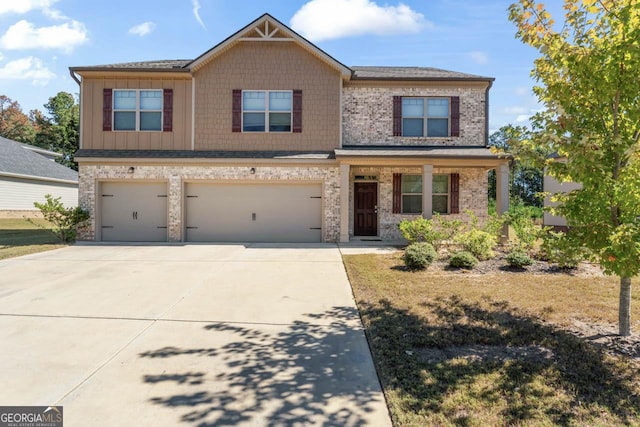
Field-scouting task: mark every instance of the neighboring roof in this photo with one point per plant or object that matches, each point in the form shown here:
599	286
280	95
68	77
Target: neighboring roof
16	160
417	152
188	154
411	73
42	151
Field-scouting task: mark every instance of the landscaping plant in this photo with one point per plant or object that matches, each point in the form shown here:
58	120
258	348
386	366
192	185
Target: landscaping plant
65	220
463	259
518	259
479	243
418	256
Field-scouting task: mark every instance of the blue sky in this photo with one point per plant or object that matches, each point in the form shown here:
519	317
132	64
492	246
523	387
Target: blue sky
40	39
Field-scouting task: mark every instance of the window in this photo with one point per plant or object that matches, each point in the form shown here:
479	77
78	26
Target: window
440	194
411	194
443	197
135	110
425	117
266	111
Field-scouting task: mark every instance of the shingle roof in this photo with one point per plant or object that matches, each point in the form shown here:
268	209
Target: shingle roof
411	73
158	65
188	154
358	72
15	159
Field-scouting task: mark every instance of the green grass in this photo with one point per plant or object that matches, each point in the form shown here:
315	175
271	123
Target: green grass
20	237
494	349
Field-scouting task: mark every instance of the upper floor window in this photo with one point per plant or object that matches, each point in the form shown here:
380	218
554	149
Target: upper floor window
425	117
433	117
137	110
266	111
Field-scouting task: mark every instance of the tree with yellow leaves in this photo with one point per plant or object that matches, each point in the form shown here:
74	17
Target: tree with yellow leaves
588	76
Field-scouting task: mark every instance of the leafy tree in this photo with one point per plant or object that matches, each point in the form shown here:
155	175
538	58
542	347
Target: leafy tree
14	124
588	74
525	175
60	131
65	220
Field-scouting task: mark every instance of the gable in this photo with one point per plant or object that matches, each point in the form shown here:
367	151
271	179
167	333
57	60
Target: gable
270	30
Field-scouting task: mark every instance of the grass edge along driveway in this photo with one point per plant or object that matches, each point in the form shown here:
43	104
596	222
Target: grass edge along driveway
20	237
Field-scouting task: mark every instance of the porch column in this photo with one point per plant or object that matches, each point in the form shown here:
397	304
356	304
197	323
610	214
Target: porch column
427	188
344	203
502	196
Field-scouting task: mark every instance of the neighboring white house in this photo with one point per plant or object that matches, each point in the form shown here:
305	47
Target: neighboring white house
27	173
553	186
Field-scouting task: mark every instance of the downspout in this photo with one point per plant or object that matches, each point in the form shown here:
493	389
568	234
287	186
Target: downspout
486	114
75	78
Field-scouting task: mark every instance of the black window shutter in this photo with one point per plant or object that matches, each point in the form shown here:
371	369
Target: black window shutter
455	193
297	111
397	116
236	110
397	193
455	116
107	109
167	110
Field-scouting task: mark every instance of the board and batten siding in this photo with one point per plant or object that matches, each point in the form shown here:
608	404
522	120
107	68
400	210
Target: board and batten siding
94	138
19	194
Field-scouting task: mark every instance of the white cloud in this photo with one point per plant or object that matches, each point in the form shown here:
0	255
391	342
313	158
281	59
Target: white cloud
516	110
142	29
29	68
329	19
523	118
196	12
522	91
24	35
479	57
24	6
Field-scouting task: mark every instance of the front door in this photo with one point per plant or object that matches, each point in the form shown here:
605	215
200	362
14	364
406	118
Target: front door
366	209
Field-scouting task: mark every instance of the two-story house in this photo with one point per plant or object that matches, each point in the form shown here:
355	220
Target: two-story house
266	138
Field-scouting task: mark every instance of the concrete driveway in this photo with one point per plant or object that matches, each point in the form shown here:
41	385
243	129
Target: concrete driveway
187	335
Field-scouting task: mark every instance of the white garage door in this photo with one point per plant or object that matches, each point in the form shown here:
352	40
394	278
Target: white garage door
134	212
253	213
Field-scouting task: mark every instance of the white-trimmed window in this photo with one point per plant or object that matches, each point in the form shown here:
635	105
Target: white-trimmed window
425	117
266	111
137	110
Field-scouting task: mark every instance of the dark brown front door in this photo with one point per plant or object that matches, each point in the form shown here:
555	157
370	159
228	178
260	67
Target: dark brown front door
366	209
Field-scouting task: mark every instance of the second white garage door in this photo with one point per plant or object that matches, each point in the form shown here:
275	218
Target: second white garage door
253	213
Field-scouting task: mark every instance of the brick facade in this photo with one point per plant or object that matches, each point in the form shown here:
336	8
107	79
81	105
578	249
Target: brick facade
367	115
175	176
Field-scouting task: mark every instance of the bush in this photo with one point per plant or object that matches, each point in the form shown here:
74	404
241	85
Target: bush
463	259
420	230
526	230
478	242
65	220
418	256
556	249
518	259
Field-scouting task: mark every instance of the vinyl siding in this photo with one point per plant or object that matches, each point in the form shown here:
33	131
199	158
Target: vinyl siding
20	194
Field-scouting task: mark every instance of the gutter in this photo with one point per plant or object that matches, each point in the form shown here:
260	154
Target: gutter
73	75
38	178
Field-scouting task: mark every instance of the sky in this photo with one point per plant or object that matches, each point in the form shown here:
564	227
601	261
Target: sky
41	39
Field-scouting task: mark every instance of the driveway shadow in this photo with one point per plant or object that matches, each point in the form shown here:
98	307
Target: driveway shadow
316	371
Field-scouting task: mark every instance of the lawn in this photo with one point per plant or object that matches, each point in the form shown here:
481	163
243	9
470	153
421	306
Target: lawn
20	237
496	348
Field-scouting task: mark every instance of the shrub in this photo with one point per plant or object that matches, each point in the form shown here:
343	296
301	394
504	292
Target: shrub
65	220
463	259
447	228
526	230
478	242
518	259
556	249
420	230
418	256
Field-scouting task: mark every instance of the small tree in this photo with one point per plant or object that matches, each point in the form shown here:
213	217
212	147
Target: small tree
588	73
65	220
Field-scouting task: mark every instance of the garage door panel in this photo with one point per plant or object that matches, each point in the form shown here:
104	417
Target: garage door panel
254	213
134	212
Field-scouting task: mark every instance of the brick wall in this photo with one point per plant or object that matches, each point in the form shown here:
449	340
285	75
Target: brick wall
367	114
90	175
